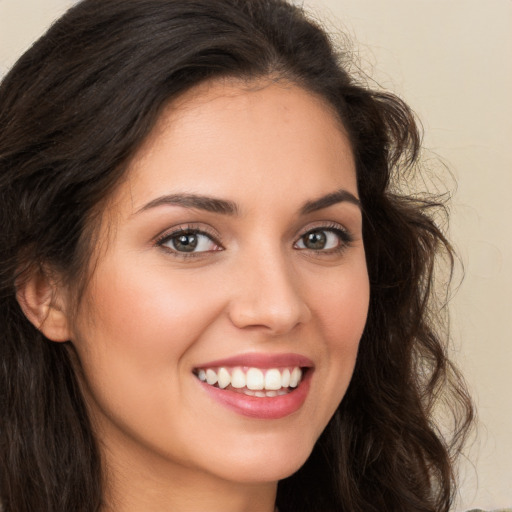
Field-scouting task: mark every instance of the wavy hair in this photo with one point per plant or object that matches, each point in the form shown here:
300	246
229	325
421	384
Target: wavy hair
75	109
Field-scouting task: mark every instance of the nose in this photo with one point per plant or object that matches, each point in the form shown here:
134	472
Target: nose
266	294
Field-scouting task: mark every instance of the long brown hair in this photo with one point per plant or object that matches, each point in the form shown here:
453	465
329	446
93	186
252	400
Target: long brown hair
73	112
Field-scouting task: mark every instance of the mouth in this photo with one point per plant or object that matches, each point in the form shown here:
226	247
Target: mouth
257	385
252	381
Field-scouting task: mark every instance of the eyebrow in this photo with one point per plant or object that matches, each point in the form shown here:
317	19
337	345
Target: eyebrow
199	202
225	207
340	196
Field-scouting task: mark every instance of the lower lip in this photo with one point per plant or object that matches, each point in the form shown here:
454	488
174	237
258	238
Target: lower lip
266	408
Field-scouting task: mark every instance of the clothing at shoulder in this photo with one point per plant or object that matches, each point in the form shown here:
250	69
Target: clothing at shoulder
496	510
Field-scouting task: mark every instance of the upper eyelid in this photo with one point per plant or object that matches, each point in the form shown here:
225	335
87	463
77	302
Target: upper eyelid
188	228
216	237
346	238
161	242
323	225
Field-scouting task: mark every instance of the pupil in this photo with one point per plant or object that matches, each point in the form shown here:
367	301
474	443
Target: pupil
186	243
315	240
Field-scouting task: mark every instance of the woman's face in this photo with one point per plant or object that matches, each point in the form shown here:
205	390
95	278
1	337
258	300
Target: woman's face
232	252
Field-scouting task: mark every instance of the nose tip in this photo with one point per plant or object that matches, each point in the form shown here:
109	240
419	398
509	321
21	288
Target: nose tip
268	298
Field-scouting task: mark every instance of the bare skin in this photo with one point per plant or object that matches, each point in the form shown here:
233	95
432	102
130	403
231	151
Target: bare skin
277	267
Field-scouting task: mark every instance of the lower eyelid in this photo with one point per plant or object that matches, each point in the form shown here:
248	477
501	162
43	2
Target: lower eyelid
165	240
343	235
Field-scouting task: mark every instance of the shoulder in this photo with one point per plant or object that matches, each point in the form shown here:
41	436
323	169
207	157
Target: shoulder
495	510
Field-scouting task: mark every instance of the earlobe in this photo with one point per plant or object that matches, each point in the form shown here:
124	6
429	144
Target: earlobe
43	304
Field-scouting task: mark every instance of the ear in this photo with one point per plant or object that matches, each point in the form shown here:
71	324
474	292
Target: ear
44	304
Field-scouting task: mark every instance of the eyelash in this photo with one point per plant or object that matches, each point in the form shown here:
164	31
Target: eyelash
190	231
345	239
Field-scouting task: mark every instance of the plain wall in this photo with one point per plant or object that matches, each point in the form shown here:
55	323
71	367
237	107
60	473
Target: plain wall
452	61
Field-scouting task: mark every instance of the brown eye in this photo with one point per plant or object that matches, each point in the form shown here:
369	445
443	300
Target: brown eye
189	242
325	239
315	240
185	243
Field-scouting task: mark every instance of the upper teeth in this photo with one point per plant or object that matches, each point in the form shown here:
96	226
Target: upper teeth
254	379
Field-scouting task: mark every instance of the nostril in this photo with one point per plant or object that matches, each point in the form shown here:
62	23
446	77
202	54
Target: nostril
276	318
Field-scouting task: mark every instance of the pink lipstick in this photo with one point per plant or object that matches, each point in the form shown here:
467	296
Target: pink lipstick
258	385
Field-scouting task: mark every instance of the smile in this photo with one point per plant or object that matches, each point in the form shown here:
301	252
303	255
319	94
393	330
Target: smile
253	381
260	386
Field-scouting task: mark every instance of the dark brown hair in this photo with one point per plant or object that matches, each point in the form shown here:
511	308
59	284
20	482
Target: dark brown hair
73	112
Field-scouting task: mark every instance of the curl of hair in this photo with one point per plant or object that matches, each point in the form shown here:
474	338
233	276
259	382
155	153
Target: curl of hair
73	112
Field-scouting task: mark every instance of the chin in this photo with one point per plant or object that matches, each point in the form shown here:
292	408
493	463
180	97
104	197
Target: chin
260	463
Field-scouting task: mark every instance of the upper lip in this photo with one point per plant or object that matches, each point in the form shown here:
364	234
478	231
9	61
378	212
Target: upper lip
257	360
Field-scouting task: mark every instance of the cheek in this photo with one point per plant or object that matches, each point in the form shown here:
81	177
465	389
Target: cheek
342	308
133	339
148	315
341	311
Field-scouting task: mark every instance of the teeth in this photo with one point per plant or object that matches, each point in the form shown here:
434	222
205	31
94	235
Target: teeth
253	382
285	378
273	380
224	378
238	380
255	379
211	377
295	377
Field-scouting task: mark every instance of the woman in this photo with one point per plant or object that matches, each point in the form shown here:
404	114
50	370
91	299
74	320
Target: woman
212	296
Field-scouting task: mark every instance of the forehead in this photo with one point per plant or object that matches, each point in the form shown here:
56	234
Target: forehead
225	138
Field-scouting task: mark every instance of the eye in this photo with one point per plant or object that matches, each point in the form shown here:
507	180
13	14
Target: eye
324	239
188	241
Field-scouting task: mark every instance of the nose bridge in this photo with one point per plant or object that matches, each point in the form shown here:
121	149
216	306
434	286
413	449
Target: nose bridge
266	293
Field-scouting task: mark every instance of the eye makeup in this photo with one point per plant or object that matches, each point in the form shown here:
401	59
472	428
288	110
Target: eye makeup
194	240
325	239
189	241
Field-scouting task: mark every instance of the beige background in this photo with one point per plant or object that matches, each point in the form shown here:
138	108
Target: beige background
452	61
